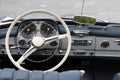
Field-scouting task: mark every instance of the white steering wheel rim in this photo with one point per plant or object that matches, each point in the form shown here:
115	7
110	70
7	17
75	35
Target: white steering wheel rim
38	11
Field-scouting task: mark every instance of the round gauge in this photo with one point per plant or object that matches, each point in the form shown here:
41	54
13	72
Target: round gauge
29	31
47	30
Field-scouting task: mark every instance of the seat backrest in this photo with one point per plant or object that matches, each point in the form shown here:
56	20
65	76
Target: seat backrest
12	74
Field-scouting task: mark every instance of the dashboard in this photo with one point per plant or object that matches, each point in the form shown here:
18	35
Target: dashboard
87	40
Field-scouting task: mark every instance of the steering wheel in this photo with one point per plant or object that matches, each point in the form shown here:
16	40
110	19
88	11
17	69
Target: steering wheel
38	41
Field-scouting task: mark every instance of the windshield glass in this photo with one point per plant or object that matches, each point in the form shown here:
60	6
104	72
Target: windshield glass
107	10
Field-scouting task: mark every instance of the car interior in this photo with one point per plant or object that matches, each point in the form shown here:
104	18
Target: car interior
51	47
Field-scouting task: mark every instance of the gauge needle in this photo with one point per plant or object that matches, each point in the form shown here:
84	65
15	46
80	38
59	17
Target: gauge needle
47	31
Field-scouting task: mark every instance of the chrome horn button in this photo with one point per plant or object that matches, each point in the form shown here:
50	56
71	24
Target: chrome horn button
38	41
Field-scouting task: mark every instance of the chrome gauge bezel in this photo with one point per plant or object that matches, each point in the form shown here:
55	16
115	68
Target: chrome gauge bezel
28	31
47	30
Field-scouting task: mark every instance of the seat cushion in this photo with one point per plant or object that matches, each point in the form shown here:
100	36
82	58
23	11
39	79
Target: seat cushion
36	75
70	75
117	76
51	76
7	74
12	74
21	75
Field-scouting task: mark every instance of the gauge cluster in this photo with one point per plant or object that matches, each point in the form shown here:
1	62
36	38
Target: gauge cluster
31	28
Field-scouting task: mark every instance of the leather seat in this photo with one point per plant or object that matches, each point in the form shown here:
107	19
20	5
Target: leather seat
12	74
117	76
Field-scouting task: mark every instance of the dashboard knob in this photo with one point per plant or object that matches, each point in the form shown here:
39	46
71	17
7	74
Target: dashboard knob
105	44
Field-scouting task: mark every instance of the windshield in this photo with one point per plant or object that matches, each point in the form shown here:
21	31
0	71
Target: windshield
107	10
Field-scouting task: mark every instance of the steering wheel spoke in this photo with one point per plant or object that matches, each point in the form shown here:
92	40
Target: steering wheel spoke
54	38
62	36
26	54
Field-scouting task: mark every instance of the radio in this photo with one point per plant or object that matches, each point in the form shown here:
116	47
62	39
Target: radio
81	42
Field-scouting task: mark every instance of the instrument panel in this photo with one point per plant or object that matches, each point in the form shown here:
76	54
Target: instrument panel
31	28
86	41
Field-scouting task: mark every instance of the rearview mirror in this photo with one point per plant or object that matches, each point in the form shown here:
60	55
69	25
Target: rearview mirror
84	20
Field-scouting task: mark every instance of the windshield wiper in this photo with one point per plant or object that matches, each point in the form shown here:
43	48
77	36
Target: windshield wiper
67	18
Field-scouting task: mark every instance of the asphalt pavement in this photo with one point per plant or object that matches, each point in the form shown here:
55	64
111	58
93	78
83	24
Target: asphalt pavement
108	10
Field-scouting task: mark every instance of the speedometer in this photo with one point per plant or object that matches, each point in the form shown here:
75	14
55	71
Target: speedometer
47	30
29	31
